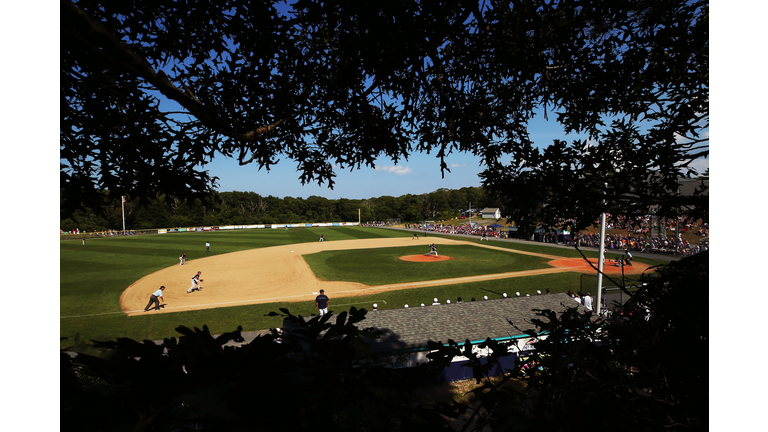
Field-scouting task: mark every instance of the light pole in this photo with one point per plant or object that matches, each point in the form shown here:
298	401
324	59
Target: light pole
122	205
600	262
601	257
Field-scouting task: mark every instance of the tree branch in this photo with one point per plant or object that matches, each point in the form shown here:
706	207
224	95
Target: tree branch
120	55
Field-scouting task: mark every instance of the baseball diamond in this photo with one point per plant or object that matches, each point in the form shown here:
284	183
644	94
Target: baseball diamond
280	273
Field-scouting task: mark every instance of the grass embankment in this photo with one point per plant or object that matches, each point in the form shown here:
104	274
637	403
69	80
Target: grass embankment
92	278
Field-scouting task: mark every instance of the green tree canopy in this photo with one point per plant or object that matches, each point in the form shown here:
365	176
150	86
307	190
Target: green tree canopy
152	91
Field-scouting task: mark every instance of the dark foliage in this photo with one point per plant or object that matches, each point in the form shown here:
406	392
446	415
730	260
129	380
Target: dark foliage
152	91
319	378
644	369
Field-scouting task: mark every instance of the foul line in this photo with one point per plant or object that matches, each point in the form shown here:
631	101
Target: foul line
249	302
370	301
464	279
92	315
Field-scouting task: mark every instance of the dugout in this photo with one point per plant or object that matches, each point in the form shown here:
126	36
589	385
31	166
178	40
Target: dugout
512	232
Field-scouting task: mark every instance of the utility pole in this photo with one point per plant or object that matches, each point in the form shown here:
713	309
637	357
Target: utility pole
601	259
600	262
122	205
677	219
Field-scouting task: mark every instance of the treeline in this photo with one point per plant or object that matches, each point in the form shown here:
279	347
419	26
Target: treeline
242	208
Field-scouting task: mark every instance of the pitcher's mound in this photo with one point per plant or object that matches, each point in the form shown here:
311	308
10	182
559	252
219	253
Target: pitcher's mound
425	258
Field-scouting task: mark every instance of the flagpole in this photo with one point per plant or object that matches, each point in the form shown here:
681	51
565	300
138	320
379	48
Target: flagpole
122	205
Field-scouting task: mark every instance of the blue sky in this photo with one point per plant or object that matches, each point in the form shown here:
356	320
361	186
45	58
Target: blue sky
418	175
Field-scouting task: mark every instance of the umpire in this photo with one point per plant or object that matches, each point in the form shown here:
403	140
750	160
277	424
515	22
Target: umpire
155	298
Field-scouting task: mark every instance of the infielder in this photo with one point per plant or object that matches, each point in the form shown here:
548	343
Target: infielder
195	283
183	258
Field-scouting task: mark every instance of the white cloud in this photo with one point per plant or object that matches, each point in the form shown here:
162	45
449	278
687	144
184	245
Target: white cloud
700	165
455	165
397	169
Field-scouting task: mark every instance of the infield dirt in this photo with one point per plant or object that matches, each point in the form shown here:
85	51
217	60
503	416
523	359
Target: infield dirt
278	274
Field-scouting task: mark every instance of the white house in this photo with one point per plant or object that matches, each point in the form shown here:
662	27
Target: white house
491	213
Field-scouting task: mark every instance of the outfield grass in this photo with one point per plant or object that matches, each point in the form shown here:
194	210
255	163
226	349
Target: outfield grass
92	278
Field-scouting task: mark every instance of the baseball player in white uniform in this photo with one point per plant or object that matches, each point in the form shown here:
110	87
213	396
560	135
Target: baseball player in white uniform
195	283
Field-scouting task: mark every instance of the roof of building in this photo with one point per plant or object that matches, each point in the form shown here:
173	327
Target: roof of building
411	328
490	210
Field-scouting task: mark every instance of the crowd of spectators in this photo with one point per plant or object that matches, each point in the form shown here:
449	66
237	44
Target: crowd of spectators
477	230
637	238
660	245
378	224
642	224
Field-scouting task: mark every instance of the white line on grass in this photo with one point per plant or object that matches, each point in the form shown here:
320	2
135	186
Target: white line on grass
248	302
371	301
91	315
262	300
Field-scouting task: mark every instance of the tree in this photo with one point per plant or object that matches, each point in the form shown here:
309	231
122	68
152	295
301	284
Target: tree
634	78
318	378
318	209
645	369
337	83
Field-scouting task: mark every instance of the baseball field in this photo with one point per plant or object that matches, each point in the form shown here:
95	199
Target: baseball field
106	283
